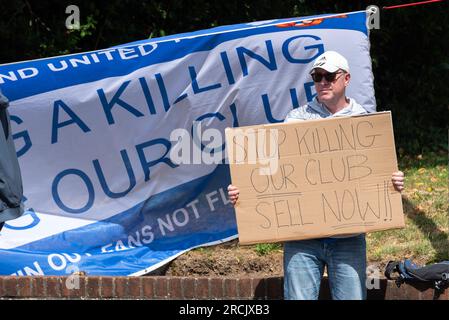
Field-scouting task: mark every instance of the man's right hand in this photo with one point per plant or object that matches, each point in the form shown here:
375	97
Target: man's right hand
233	194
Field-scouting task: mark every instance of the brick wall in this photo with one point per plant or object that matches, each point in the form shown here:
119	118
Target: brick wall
162	287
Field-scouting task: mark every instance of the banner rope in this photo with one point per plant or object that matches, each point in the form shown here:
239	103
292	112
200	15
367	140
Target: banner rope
410	4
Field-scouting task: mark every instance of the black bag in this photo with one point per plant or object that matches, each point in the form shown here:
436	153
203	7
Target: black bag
435	275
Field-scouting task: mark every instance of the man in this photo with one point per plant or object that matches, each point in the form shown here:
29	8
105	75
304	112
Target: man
11	190
344	256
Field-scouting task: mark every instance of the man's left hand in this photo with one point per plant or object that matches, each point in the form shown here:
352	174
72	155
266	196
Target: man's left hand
398	180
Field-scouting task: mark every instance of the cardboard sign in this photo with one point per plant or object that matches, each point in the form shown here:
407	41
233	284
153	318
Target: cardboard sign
314	178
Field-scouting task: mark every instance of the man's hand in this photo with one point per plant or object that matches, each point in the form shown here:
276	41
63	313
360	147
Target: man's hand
398	180
233	194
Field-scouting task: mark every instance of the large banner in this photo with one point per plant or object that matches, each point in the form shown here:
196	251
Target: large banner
122	165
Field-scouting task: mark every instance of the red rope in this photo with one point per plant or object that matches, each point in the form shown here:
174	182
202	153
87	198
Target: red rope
410	4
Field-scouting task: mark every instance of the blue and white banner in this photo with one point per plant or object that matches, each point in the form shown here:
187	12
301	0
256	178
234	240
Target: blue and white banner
94	136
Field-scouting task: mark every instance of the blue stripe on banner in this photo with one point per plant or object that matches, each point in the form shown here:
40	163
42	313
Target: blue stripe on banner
353	24
99	66
157	213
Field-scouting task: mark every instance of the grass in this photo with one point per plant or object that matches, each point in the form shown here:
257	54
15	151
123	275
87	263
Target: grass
425	239
263	249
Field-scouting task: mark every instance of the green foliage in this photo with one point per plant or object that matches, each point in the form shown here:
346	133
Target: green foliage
409	53
265	248
425	238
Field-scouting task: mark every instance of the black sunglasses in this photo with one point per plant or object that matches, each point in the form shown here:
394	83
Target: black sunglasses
330	77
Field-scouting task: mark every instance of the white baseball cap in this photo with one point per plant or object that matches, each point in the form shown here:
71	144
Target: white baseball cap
330	61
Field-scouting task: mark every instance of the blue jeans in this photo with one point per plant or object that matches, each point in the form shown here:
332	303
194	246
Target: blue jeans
304	263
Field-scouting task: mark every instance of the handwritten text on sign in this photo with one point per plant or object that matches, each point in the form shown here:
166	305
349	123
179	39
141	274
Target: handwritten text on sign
315	178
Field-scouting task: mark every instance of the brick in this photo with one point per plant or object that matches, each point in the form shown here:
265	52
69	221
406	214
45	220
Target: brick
161	287
107	287
73	286
391	291
259	288
216	288
25	287
244	288
409	293
274	288
399	292
427	294
39	287
230	288
135	287
175	288
93	287
10	286
148	287
121	287
54	289
201	288
188	288
1	287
